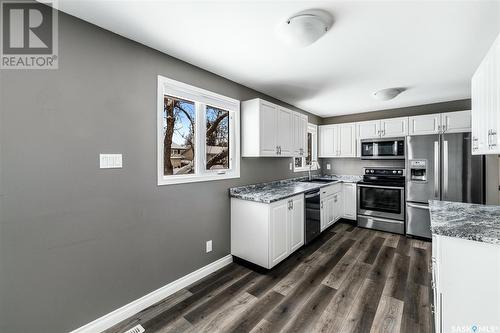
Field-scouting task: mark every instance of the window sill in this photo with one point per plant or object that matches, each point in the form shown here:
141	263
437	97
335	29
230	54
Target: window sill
173	180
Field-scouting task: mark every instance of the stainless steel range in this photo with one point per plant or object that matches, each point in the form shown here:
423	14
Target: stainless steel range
381	199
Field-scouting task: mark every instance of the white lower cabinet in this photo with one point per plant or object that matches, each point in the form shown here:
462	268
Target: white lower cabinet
331	205
265	234
349	200
466	287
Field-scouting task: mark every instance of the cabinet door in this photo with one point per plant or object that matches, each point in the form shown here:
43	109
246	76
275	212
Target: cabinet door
278	232
284	132
368	129
394	127
426	124
327	141
296	223
479	114
268	124
324	212
347	140
299	134
456	122
338	207
330	210
349	200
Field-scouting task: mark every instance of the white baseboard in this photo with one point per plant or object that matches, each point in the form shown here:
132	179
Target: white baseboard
134	307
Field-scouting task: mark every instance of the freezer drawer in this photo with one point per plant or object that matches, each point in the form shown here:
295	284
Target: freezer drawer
418	221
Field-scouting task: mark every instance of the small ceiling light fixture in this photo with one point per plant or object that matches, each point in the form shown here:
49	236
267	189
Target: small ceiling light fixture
388	94
304	28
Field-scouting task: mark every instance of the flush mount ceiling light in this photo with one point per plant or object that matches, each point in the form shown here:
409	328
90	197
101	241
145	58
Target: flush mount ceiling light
387	94
304	28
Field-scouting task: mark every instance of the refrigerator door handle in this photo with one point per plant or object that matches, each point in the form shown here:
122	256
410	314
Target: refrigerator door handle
436	169
445	169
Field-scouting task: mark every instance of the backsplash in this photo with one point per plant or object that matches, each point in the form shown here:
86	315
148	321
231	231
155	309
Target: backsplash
354	166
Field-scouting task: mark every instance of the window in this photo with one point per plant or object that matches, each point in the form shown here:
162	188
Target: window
303	163
198	134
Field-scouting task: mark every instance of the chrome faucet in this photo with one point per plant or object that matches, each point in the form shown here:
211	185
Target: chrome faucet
316	164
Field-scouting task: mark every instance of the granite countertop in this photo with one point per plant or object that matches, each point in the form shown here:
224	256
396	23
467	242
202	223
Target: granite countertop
464	220
278	190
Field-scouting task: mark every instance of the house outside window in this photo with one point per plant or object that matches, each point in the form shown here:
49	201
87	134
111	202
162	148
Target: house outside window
198	134
303	163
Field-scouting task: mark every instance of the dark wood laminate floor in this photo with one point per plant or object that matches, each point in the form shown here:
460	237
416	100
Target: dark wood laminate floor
349	280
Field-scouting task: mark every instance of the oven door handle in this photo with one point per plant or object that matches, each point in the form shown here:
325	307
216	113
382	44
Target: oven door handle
382	186
412	205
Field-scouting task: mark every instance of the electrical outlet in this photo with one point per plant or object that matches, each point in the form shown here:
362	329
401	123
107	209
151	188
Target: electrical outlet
291	166
209	246
328	166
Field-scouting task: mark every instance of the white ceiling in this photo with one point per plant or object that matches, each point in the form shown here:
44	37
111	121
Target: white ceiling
430	47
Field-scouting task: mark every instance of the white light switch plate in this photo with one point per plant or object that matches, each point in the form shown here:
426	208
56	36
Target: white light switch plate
328	166
209	246
291	166
110	161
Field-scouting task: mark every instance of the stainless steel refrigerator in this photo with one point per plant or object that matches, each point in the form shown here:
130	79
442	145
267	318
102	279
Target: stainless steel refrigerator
440	167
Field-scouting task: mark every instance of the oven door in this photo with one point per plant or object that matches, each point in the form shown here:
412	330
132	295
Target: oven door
381	201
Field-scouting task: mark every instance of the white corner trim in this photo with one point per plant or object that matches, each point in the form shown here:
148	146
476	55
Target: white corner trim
134	307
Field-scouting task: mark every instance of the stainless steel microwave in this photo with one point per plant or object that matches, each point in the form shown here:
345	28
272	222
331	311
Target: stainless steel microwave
383	149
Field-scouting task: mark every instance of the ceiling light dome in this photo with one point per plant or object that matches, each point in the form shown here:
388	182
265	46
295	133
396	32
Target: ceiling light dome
388	94
304	28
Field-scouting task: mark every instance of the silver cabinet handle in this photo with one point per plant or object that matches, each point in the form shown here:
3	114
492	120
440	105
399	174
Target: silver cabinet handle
436	169
321	204
441	312
445	168
277	150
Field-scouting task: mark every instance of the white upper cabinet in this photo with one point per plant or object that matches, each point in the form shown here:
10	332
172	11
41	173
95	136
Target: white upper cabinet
456	122
426	124
327	135
385	128
486	103
271	130
284	132
299	134
347	140
368	129
450	122
394	127
268	124
337	140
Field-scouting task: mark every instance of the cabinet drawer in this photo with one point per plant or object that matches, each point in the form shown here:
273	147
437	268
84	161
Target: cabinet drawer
327	190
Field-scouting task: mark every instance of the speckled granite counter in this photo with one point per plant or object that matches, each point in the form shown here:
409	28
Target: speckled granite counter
463	220
275	191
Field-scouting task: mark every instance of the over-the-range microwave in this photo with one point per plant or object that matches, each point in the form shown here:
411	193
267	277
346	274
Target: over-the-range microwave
383	149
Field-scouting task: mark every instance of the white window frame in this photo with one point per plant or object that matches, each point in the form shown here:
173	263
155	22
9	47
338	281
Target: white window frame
201	97
313	129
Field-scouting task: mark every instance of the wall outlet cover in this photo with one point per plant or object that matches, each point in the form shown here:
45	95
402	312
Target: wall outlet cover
209	246
328	166
291	166
110	161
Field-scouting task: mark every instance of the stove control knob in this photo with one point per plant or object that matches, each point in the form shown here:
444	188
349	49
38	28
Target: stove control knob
400	172
394	172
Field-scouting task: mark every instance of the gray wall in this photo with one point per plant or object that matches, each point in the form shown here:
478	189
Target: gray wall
77	242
